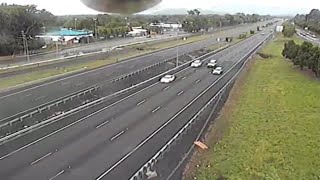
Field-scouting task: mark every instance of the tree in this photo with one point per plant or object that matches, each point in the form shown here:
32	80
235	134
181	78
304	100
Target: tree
314	62
197	12
310	20
289	30
304	55
191	12
290	50
15	19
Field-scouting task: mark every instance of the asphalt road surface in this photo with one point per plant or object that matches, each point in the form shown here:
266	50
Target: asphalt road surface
115	142
95	47
309	38
23	99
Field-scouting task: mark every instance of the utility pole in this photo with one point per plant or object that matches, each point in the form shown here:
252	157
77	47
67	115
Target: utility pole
75	23
25	46
57	48
95	28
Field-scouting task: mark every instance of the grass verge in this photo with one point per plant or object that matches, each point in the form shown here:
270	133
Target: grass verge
130	53
269	127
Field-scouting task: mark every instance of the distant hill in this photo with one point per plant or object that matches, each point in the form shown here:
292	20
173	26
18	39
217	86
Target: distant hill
178	11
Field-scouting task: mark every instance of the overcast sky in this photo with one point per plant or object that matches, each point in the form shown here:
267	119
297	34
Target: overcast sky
64	7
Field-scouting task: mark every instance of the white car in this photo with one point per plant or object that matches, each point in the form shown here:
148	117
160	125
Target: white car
217	71
196	63
212	64
167	79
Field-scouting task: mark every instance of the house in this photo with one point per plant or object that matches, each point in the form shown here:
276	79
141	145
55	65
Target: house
167	26
66	36
137	31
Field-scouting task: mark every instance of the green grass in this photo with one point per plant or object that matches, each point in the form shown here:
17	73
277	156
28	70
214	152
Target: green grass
274	129
147	48
37	75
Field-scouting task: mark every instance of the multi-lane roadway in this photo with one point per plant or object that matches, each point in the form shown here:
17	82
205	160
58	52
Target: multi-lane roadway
307	35
22	99
90	48
115	142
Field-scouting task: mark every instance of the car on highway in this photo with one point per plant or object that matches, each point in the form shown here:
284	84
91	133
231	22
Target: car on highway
217	71
196	63
167	79
212	63
263	33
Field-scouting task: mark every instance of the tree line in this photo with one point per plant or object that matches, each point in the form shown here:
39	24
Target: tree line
25	22
17	21
310	21
305	55
195	22
288	29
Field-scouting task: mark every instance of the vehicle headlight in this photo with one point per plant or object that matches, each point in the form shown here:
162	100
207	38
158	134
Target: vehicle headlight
121	6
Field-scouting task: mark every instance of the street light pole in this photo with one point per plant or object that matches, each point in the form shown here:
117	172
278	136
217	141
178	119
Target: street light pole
75	23
95	28
177	62
25	46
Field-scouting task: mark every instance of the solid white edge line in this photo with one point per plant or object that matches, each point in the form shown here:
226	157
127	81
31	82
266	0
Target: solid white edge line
229	71
116	136
65	127
86	72
168	122
43	157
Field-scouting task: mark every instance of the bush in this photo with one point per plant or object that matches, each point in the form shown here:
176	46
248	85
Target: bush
252	32
288	30
305	55
242	35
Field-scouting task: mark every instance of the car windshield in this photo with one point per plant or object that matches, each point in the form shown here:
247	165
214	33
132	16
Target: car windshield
129	89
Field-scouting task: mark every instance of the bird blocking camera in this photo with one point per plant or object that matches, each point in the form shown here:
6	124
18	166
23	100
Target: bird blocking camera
120	6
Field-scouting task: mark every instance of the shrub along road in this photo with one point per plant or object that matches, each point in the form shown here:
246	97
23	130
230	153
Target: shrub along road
271	127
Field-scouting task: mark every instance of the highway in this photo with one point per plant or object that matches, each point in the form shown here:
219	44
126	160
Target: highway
22	99
115	142
89	48
308	37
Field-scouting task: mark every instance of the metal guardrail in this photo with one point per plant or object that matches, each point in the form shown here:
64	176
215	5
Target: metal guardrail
91	53
64	99
150	164
95	102
29	112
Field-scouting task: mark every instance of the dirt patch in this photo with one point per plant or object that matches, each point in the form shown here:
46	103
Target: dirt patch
220	127
264	56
